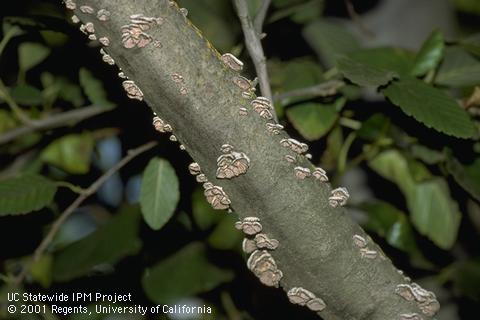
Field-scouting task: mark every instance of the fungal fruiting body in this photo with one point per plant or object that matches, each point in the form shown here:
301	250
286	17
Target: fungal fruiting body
263	107
70	4
249	246
133	91
89	27
359	241
92	37
243	111
107	58
320	174
262	264
184	11
177	78
160	125
103	15
134	35
201	178
232	62
338	197
308	156
302	173
262	241
194	168
290	158
86	9
75	19
410	316
425	300
216	196
303	297
231	164
242	83
173	138
274	128
294	145
367	253
249	225
104	41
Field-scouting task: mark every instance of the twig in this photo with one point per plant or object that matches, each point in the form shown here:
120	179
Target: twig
357	20
260	16
54	121
254	47
5	95
319	90
131	154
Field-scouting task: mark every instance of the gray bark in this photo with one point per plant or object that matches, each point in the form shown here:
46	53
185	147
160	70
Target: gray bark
316	249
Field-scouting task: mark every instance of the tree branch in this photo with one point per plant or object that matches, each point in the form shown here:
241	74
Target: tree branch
324	89
254	47
54	121
260	16
131	154
184	81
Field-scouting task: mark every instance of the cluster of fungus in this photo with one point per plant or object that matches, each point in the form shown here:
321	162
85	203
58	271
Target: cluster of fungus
231	163
425	300
303	297
361	243
134	34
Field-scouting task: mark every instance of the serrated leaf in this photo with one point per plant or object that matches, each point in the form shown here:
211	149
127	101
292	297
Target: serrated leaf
24	194
31	54
429	55
467	176
159	193
364	75
432	210
107	245
225	236
26	95
314	120
71	153
93	89
430	106
458	69
183	274
329	40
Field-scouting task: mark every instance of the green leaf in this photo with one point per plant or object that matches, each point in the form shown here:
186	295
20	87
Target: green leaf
26	193
31	54
41	270
314	120
186	273
7	121
159	193
71	153
225	236
300	12
458	69
467	176
430	106
107	245
374	127
466	278
391	224
397	60
26	95
364	75
427	155
429	55
329	40
203	213
472	44
94	89
432	211
214	18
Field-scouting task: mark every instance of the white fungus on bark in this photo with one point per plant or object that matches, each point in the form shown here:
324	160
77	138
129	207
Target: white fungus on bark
249	225
302	173
215	195
133	91
338	197
194	168
320	174
231	163
303	297
294	145
232	62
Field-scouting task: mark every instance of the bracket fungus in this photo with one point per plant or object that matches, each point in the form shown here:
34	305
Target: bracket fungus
104	41
294	145
242	82
338	197
201	178
243	111
320	174
274	128
173	138
290	158
367	253
86	9
232	62
262	264
302	173
426	300
103	15
249	246
263	107
70	4
359	241
303	297
160	125
231	163
410	316
215	195
194	168
133	91
249	225
75	19
262	241
133	34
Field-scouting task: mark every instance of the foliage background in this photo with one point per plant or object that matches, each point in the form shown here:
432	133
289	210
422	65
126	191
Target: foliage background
414	181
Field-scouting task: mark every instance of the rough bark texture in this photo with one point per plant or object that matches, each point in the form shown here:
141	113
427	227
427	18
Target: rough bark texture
316	249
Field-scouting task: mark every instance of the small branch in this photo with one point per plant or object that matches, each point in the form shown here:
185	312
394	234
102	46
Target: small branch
260	16
254	47
5	95
324	89
54	121
131	154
